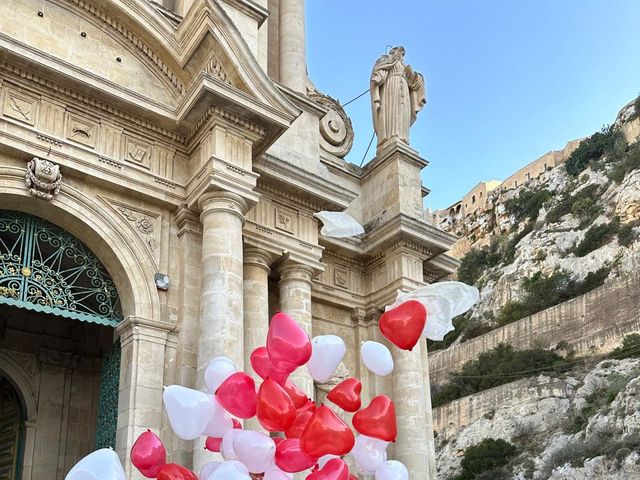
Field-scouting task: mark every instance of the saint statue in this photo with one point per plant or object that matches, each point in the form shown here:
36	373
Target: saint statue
397	95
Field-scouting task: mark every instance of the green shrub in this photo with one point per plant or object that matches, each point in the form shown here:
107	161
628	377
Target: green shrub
583	204
495	367
476	262
592	149
577	451
596	237
625	163
627	234
630	347
544	291
527	204
486	459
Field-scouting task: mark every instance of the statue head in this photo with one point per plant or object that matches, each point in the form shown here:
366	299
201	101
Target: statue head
397	52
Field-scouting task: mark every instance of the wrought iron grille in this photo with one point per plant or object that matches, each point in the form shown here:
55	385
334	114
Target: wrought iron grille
108	405
46	269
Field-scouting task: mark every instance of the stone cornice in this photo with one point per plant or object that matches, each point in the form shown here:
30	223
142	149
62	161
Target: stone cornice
188	221
86	100
322	193
389	151
252	9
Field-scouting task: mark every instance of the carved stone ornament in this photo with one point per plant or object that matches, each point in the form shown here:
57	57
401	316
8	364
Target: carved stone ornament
43	178
335	127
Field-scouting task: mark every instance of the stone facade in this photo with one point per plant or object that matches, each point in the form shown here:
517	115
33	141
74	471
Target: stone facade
190	145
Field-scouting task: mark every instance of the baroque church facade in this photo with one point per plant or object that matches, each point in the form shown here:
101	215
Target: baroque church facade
160	167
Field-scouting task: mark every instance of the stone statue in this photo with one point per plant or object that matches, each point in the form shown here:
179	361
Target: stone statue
43	178
397	95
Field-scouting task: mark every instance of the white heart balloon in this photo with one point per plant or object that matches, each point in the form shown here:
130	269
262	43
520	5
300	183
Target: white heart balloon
189	411
327	352
208	469
255	449
226	447
392	470
220	422
230	470
377	358
102	464
274	473
217	371
369	453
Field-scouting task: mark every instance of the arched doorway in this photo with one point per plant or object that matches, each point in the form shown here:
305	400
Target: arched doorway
11	432
58	310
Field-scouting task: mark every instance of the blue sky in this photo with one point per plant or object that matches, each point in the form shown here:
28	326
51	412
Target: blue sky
507	80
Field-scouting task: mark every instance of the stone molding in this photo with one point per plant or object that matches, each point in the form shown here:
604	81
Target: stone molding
291	268
138	328
257	257
188	220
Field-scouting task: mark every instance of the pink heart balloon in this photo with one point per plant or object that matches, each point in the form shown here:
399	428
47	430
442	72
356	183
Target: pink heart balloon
148	454
264	368
237	395
288	344
334	469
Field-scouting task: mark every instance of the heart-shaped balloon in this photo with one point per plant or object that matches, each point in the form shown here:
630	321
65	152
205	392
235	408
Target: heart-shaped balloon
189	411
290	458
378	420
262	365
173	471
334	469
212	444
392	470
297	396
148	454
275	410
237	395
217	371
255	450
220	422
404	324
327	352
326	433
288	344
300	423
346	394
98	465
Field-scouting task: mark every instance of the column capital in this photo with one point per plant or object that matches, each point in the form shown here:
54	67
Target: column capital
222	201
258	257
290	268
132	328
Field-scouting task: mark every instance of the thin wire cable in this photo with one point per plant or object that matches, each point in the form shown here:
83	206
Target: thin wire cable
356	98
368	147
567	365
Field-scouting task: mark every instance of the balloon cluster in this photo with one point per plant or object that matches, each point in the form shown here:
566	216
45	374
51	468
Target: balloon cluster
302	436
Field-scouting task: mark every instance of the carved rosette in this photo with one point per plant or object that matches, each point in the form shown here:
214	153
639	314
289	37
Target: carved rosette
335	127
43	178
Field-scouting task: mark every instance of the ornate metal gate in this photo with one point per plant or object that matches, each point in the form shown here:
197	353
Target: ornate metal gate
46	269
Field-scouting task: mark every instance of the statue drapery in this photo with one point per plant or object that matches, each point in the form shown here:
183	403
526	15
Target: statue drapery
397	95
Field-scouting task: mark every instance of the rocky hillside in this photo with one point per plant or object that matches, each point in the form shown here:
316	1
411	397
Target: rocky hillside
563	234
591	432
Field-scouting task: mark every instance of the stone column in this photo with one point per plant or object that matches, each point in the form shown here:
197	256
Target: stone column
408	394
256	309
143	344
431	445
295	300
220	324
292	58
220	320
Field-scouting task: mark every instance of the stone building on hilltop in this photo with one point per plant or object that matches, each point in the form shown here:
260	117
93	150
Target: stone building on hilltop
160	167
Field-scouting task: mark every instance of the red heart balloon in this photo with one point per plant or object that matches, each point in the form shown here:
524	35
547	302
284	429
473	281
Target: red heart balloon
326	433
309	405
236	424
352	477
334	469
290	458
172	471
237	395
297	396
378	420
275	411
403	325
148	454
213	444
288	344
299	424
264	368
347	394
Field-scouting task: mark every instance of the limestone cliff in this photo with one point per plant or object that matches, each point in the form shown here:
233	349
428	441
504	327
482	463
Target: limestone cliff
587	428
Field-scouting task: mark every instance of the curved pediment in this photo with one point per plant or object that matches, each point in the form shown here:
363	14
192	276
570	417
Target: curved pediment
79	39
